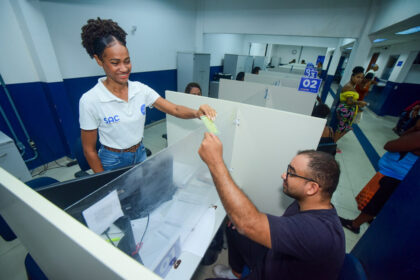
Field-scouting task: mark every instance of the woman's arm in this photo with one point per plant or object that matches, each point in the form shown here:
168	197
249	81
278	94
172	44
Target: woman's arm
406	143
88	138
183	112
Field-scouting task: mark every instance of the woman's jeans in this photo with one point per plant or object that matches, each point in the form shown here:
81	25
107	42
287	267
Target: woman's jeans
114	160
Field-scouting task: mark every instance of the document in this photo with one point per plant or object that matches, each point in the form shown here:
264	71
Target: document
103	213
201	234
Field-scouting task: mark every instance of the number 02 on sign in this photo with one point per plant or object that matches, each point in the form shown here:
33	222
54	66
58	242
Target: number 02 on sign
309	85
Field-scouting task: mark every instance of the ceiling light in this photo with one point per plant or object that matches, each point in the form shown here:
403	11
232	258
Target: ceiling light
409	31
379	40
348	48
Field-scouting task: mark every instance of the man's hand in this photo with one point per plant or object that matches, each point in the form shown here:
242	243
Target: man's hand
211	150
207	111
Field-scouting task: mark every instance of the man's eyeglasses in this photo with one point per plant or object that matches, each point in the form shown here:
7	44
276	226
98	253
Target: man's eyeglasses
288	173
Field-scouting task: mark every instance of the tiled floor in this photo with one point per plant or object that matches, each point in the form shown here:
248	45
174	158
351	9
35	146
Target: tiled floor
356	170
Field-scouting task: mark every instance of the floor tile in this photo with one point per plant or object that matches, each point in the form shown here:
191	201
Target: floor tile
12	264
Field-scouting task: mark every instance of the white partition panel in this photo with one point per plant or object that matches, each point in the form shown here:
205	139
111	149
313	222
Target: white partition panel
239	91
291	100
60	245
265	140
289	80
281	98
280	74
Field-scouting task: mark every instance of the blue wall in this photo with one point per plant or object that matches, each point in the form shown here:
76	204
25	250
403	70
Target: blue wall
50	111
390	248
393	98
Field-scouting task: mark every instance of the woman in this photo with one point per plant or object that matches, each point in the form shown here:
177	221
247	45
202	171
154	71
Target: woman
326	143
193	88
349	104
394	165
364	86
116	107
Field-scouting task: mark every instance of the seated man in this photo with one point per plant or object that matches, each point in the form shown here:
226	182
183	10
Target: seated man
307	242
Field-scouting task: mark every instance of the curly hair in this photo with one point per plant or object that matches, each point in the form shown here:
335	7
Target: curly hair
98	33
357	70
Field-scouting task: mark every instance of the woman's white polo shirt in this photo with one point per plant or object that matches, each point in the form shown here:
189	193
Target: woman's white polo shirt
120	124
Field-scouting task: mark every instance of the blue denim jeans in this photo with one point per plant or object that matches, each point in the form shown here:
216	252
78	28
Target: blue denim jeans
114	160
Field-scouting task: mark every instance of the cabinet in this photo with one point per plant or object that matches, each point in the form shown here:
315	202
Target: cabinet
234	63
193	67
11	160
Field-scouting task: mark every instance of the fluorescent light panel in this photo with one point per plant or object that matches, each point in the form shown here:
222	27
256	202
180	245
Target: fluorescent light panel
409	31
379	40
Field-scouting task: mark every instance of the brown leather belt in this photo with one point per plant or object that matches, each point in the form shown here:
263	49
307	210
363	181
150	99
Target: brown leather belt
132	149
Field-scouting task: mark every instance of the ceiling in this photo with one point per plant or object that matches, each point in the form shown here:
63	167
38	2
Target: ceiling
392	38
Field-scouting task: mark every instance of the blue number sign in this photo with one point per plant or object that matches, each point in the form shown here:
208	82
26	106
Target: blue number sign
309	84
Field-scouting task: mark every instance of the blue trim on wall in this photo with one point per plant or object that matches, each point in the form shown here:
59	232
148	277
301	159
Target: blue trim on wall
39	117
402	96
50	111
393	98
390	248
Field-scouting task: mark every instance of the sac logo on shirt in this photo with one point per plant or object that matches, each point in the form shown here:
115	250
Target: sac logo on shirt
112	119
143	109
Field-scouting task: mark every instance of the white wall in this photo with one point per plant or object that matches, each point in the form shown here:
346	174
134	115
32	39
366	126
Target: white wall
397	49
257	49
310	54
389	12
413	76
292	40
164	27
37	38
16	64
324	18
285	53
220	44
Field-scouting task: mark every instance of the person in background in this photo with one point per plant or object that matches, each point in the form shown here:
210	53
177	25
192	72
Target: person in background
281	247
319	68
349	104
364	86
292	61
115	108
394	165
193	88
408	118
303	61
256	70
240	76
374	70
322	111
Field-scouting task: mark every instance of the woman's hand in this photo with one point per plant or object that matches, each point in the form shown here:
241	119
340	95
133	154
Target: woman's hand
207	111
361	103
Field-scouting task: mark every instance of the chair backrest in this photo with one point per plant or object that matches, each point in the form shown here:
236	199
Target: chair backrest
352	269
80	156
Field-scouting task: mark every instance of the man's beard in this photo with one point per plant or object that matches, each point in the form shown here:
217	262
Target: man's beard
287	192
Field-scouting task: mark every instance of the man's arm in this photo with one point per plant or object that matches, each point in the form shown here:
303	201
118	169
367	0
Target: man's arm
244	215
183	112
